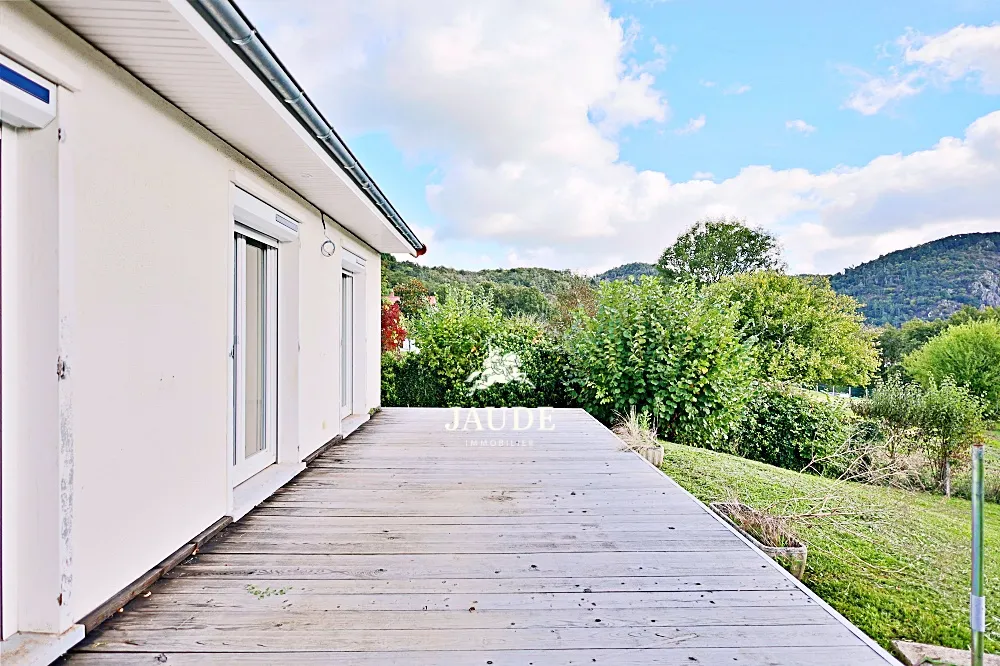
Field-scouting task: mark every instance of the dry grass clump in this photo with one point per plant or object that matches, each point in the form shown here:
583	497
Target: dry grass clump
636	429
768	529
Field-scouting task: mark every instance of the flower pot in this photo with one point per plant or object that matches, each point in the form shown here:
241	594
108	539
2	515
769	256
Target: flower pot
793	558
652	453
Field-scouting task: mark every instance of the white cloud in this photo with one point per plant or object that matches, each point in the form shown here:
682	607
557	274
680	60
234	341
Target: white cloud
964	52
874	93
692	126
702	175
708	84
800	126
518	107
737	89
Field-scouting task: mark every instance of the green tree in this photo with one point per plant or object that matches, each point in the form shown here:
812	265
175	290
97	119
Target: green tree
574	300
514	299
798	329
895	343
663	350
968	353
413	297
951	418
716	247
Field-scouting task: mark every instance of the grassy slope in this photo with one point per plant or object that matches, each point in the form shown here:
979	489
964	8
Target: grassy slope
895	563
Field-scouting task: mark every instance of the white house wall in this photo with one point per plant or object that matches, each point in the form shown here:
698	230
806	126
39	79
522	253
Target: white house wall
153	245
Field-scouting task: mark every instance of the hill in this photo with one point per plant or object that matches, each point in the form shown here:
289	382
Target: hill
635	269
437	278
929	281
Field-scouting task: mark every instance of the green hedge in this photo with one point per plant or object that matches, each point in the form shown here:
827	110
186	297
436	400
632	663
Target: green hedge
783	428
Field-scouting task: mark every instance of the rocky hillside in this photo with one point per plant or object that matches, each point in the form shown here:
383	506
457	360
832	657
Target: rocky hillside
929	281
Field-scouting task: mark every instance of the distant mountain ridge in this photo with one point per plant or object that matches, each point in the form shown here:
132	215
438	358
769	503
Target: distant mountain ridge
928	281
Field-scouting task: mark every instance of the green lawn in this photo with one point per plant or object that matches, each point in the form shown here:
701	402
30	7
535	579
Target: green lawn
895	563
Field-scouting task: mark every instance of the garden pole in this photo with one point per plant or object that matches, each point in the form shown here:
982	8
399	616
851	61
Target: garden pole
977	602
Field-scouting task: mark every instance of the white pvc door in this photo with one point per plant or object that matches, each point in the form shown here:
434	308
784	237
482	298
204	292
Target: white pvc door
254	356
347	346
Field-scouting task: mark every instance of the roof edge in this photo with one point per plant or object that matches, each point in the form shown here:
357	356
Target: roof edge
230	23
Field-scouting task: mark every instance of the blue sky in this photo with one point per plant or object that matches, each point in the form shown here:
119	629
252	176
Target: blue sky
791	55
578	134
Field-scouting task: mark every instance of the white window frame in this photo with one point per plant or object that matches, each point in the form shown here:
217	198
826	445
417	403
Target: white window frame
255	220
353	264
244	468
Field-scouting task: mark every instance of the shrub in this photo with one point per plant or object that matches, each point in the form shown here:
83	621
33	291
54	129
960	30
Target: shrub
664	351
464	342
393	332
895	406
951	419
790	430
924	431
577	299
969	353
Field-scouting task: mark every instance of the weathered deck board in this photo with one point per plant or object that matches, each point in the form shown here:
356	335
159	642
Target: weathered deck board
408	544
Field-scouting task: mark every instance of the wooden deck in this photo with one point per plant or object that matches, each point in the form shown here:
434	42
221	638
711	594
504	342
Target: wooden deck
408	544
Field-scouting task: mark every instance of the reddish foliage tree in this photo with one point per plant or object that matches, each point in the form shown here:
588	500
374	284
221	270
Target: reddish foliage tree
393	333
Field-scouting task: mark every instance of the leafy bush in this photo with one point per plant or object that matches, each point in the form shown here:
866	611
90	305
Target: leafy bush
790	430
393	331
895	406
578	299
951	419
455	339
969	353
662	350
405	383
930	426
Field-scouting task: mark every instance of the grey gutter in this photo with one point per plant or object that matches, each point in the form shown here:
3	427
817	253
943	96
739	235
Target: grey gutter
227	20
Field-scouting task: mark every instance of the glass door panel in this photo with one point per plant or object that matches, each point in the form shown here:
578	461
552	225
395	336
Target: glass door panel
347	346
256	360
254	357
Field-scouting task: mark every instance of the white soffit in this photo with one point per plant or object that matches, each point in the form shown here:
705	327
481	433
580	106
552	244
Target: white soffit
168	46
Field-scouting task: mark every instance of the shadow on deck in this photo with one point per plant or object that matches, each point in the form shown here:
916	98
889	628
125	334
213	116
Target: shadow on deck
412	544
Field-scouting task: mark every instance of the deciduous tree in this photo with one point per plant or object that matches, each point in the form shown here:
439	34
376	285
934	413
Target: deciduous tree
798	329
716	247
968	353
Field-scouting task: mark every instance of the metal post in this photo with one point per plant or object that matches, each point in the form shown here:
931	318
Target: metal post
977	602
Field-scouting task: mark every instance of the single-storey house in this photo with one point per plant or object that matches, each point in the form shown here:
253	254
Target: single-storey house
190	281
